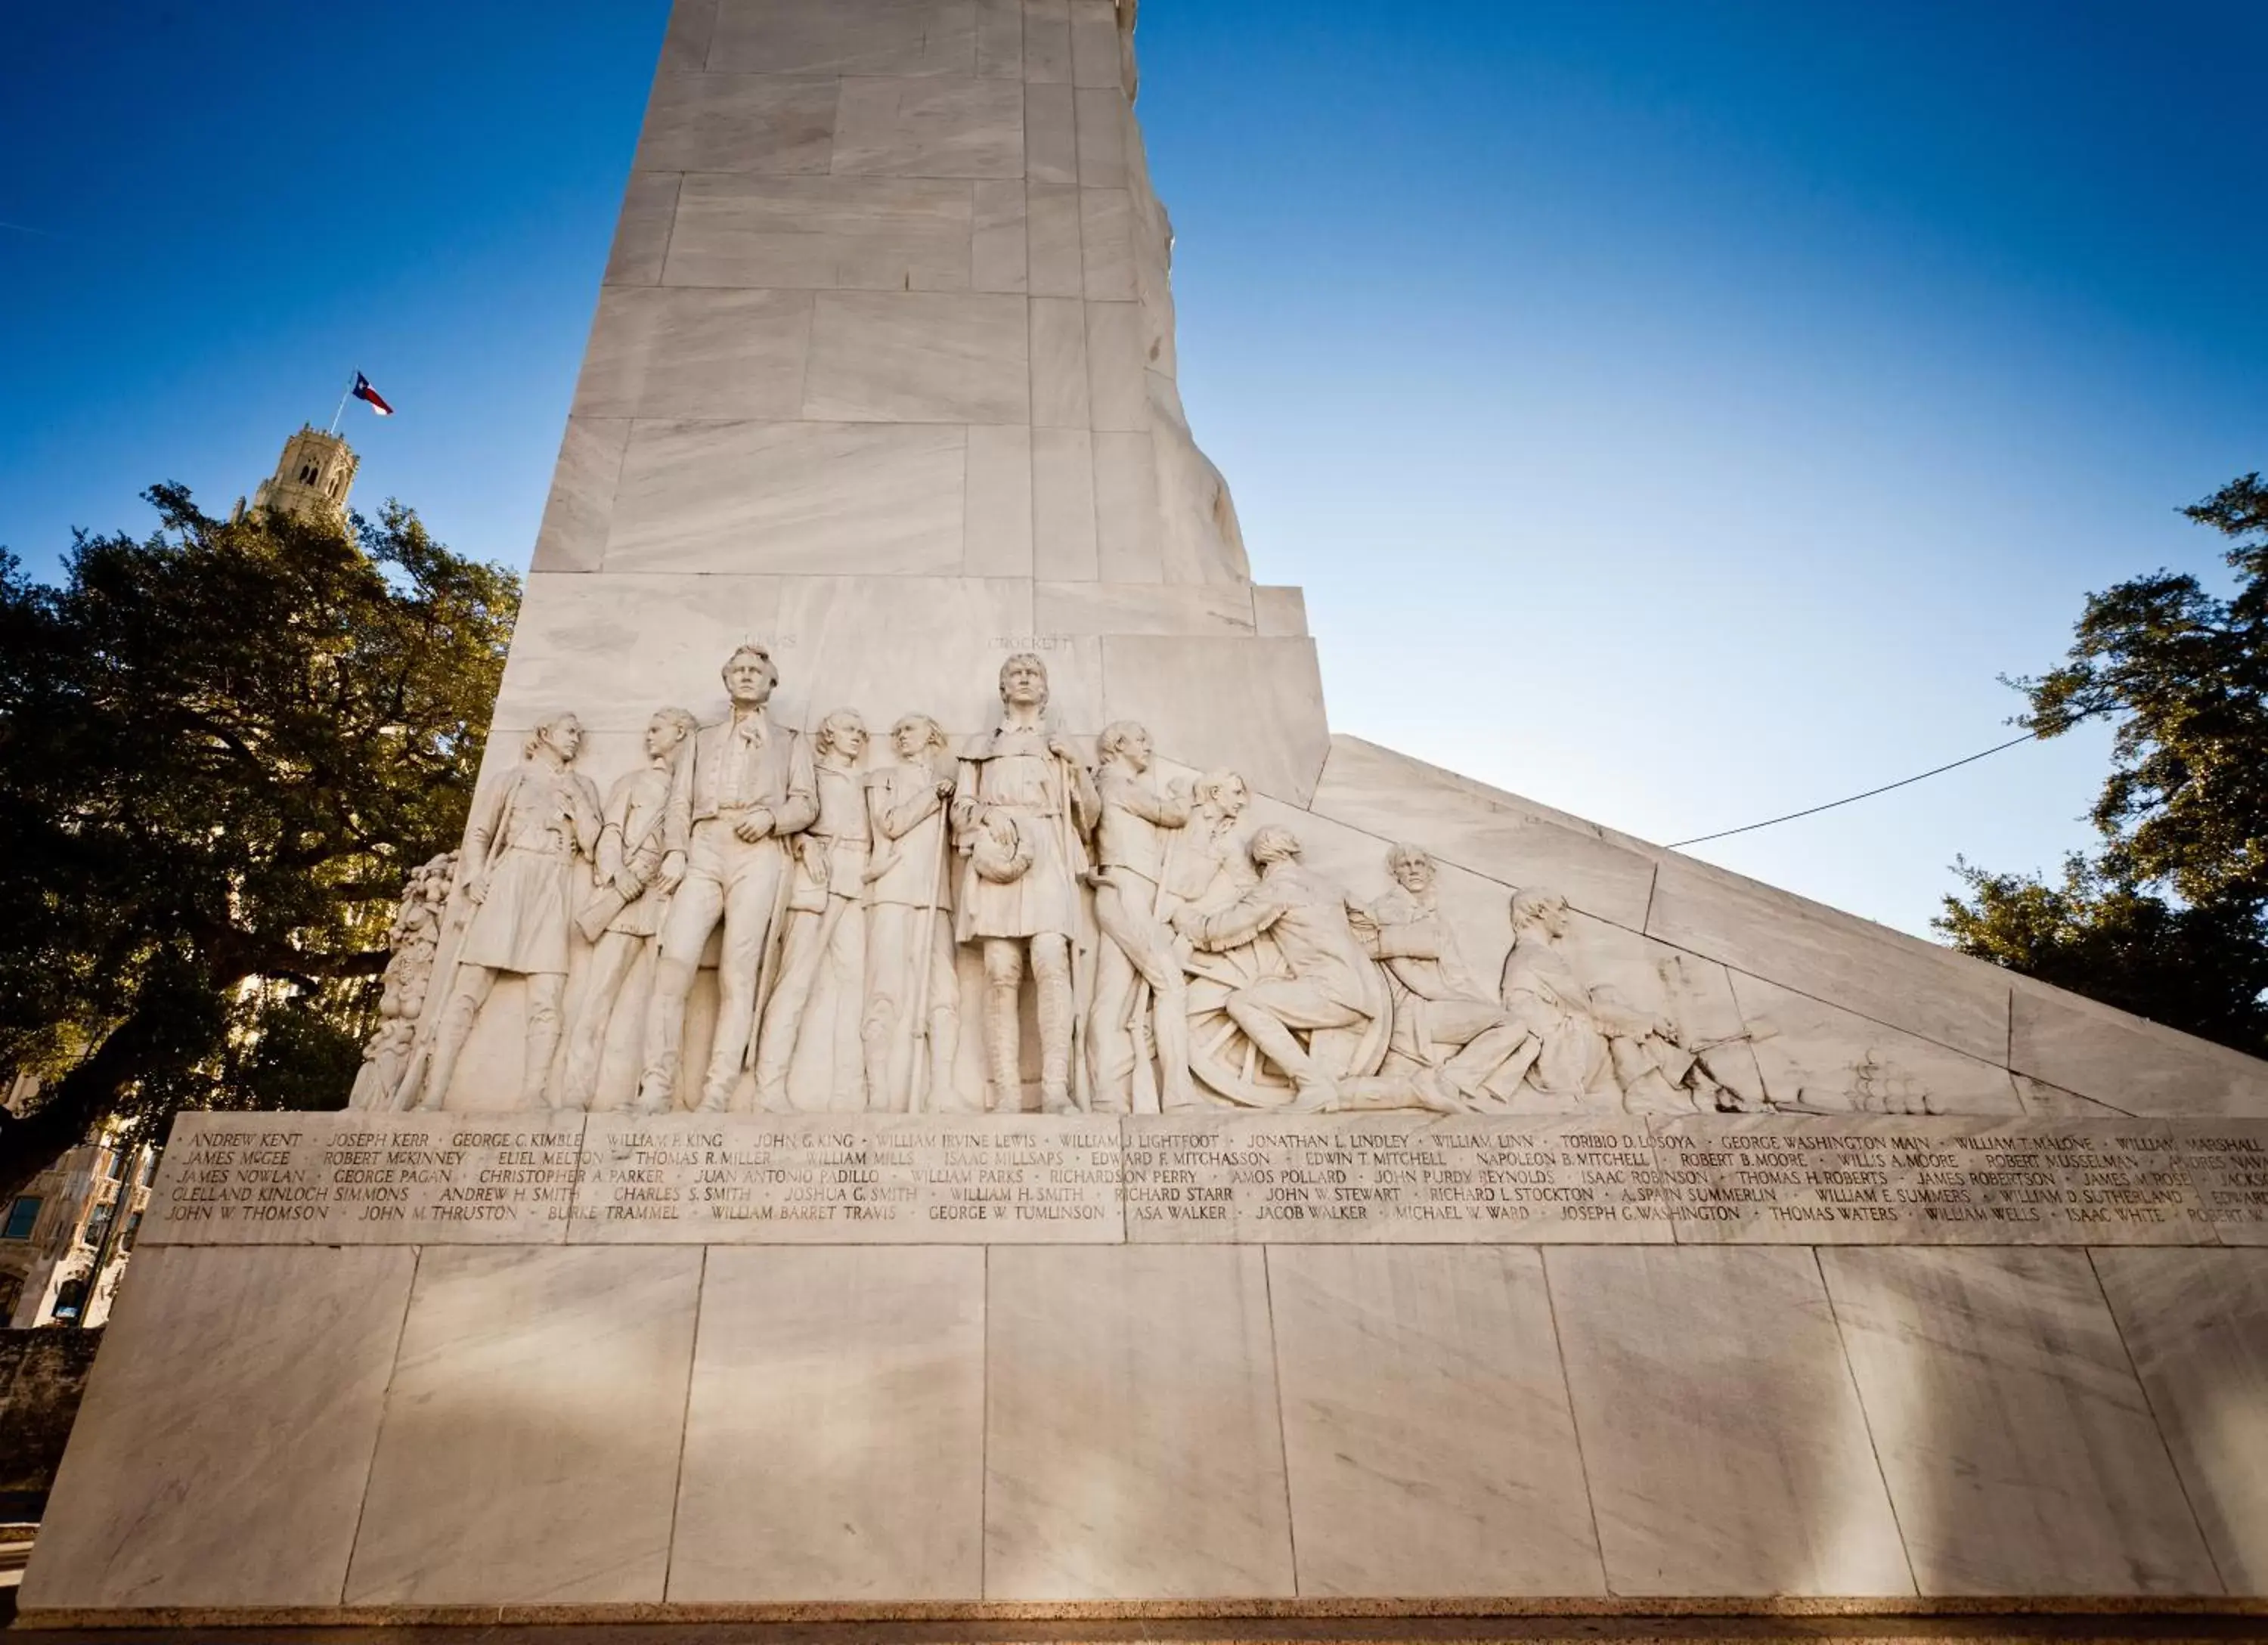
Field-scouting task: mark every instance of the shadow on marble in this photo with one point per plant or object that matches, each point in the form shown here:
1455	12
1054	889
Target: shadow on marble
530	1446
1722	1435
2020	1452
219	1456
1426	1430
859	1375
2195	1322
1133	1446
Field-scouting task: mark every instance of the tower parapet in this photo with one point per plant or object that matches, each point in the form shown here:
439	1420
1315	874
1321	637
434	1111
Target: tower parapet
312	478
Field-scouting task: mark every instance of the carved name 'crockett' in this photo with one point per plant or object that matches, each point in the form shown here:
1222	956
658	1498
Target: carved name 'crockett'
521	880
1022	807
1441	1018
912	1024
1138	976
747	787
1335	991
807	1048
626	908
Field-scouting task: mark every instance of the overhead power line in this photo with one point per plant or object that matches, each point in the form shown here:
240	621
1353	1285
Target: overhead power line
1814	810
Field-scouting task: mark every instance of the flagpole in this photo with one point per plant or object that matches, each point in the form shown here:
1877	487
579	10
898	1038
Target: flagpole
341	411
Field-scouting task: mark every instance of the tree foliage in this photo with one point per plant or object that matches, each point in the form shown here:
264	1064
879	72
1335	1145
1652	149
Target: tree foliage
2169	917
222	747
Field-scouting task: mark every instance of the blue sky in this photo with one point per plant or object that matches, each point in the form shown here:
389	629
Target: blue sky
1679	414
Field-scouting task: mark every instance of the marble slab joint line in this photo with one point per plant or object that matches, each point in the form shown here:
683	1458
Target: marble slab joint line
1574	1416
378	1432
984	1420
1652	880
1874	1445
1276	1381
684	1418
2157	1422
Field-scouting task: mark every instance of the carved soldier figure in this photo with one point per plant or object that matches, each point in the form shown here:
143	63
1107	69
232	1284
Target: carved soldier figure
625	912
747	787
520	856
1571	1056
913	1006
1133	844
1437	1006
1332	984
807	1052
413	939
1044	798
1210	867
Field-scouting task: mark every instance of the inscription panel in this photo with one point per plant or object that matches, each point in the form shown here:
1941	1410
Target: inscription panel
2226	1163
1212	1176
848	1179
1837	1180
365	1179
1343	1178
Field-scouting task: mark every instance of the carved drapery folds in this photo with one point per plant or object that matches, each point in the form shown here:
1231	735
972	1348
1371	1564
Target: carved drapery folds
815	916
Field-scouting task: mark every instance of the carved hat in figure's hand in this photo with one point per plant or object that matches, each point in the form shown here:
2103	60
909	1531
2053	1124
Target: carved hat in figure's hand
1003	852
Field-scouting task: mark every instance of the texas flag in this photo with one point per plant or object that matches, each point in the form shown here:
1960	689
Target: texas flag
364	392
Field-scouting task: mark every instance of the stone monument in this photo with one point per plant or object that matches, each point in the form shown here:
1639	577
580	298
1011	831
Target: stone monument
1106	1141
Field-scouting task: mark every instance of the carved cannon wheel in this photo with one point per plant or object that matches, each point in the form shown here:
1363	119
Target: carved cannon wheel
1226	1062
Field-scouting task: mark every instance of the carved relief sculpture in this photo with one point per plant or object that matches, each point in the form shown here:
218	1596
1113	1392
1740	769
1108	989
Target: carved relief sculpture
413	939
912	1027
808	1047
625	909
1441	1018
1321	983
747	787
1208	866
1021	810
1141	999
521	873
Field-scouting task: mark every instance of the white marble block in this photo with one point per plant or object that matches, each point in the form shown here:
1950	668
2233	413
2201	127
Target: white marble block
1131	1444
2020	1451
1721	1431
1426	1431
858	1376
530	1446
220	1454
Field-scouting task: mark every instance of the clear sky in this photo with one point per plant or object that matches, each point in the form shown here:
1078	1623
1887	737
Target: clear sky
1676	413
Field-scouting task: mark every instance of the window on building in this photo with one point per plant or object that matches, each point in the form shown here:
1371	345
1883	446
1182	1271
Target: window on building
309	474
149	1166
133	1227
97	1220
70	1297
115	1167
22	1215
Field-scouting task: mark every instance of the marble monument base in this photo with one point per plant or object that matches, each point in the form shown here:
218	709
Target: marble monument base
452	1367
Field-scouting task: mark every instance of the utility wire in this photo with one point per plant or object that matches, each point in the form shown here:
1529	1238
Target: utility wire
1903	782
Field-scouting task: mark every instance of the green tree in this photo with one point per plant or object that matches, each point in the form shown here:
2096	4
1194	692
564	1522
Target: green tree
222	747
2168	917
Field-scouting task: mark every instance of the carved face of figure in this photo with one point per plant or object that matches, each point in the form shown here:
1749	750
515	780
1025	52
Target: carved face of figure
1126	742
1412	870
1024	682
1541	915
663	733
565	736
749	677
913	737
841	739
1230	796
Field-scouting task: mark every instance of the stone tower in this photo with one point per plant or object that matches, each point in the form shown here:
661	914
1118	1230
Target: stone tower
312	477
